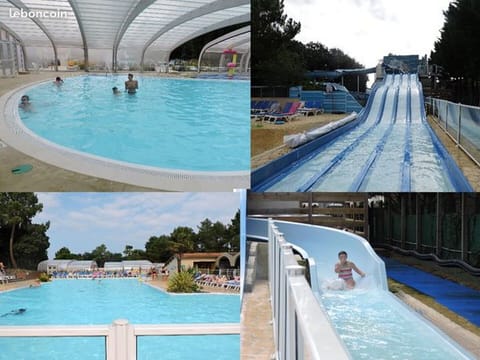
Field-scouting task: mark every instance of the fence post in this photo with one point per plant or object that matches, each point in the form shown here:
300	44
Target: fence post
446	116
121	341
459	123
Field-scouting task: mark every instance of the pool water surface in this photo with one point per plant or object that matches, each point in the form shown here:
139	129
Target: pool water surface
183	124
89	302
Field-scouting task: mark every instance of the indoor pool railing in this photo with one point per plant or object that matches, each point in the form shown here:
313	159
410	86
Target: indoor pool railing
301	328
120	336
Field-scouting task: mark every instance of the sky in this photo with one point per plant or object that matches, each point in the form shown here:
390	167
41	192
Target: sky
367	30
83	221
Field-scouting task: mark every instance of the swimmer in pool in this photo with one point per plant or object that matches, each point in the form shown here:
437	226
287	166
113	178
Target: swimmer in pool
25	103
58	81
344	270
131	85
116	91
15	312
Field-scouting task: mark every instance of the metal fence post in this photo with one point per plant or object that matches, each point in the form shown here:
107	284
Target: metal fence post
459	123
446	116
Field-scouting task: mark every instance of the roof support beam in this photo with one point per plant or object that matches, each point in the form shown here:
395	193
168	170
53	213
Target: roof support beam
20	5
231	35
137	10
202	10
219	25
76	11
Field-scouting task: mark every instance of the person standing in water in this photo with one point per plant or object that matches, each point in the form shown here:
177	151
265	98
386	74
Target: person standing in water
131	85
344	270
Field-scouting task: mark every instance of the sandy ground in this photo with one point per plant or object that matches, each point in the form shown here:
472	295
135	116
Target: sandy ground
267	139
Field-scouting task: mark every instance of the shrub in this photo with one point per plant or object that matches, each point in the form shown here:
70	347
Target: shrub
43	277
182	282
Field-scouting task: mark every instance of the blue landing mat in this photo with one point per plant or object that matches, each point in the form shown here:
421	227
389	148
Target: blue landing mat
459	299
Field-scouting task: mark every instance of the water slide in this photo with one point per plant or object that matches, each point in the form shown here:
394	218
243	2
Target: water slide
371	321
390	147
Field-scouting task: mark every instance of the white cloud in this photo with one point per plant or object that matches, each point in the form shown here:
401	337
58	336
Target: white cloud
370	29
83	221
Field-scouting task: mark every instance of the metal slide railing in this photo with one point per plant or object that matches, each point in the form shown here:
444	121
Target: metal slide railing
302	330
121	337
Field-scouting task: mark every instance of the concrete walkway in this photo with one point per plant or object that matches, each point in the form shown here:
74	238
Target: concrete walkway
256	339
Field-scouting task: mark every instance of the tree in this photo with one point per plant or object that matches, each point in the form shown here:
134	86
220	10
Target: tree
276	60
233	232
128	251
182	240
101	254
456	50
31	244
18	209
64	253
158	248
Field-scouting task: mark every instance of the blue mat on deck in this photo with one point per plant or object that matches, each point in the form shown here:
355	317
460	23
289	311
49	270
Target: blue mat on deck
459	299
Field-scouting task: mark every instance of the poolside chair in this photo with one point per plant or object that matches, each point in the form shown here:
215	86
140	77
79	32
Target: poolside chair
310	107
285	116
284	110
272	108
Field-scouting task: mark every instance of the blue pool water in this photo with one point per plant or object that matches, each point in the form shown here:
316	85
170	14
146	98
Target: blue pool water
374	325
186	124
67	302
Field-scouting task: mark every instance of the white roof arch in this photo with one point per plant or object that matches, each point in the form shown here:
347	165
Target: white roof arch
113	24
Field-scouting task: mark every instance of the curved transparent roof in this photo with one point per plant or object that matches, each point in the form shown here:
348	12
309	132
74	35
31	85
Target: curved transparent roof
238	40
136	25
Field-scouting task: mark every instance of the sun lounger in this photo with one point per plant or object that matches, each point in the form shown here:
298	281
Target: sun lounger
310	107
286	115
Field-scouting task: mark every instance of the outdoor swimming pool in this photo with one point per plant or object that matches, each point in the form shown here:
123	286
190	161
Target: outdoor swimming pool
90	302
182	124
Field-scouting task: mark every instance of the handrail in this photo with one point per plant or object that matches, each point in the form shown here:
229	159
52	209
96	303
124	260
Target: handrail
301	327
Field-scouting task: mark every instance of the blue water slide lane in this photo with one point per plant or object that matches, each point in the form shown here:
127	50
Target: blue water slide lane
340	156
267	176
261	182
360	178
407	160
